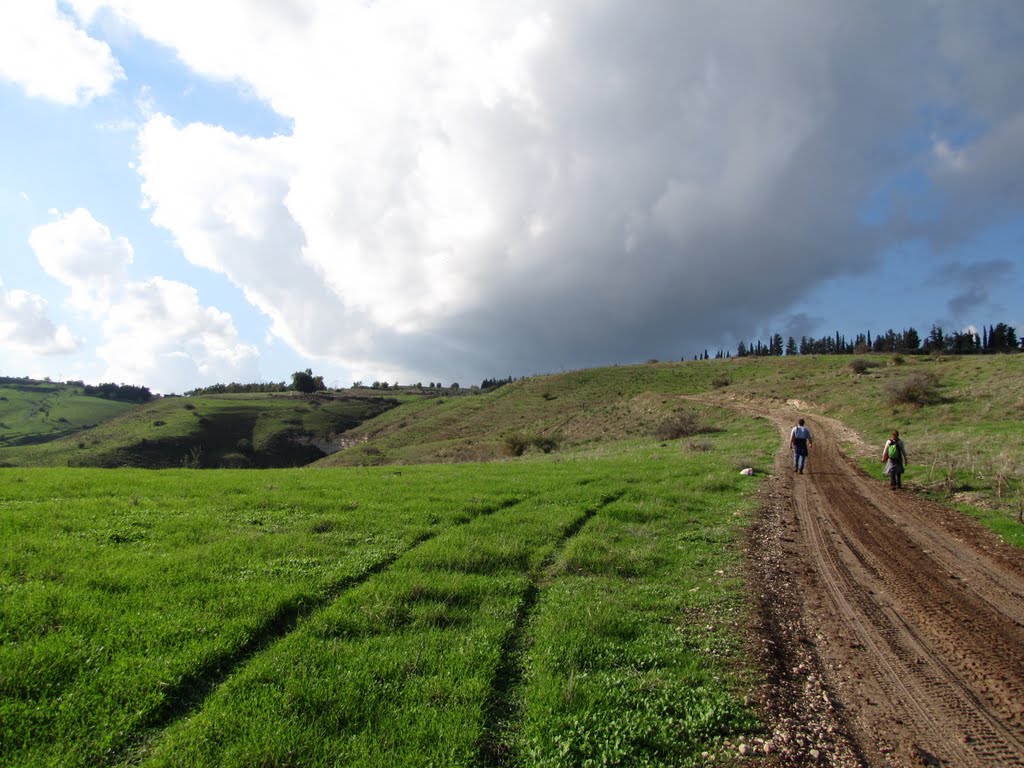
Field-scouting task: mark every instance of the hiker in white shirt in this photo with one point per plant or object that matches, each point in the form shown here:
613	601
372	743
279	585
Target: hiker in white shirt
800	441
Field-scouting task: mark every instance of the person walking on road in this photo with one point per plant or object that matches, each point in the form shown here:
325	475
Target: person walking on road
800	441
894	456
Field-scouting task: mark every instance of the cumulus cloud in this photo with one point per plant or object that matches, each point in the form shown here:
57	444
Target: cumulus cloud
489	187
157	331
44	51
26	327
81	253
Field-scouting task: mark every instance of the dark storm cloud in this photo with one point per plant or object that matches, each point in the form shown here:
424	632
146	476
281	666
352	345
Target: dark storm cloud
590	183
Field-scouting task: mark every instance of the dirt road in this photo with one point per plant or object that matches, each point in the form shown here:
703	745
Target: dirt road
893	628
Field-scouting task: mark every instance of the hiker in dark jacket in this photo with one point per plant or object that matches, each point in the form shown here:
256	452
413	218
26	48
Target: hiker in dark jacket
894	455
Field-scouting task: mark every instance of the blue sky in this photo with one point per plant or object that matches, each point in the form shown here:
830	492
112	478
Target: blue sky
402	191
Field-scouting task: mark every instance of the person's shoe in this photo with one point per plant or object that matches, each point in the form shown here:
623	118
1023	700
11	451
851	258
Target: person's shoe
801	471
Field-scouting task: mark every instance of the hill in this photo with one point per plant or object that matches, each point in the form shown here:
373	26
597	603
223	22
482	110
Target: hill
37	411
236	431
961	416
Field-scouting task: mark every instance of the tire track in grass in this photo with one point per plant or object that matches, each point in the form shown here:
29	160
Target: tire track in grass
500	708
189	694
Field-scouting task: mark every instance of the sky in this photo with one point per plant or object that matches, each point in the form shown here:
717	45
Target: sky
407	191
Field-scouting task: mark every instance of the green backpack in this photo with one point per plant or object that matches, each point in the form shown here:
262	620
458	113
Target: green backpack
894	451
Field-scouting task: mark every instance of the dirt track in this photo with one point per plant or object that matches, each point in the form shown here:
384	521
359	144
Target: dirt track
892	628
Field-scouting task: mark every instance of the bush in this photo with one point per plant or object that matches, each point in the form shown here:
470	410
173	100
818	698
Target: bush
721	381
685	424
545	443
861	365
916	389
516	443
235	461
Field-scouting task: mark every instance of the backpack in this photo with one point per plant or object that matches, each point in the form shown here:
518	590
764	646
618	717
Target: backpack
894	451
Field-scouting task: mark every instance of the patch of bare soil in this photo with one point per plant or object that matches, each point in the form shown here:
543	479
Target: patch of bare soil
892	628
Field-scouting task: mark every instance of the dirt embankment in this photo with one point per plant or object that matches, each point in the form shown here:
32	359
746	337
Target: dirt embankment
892	628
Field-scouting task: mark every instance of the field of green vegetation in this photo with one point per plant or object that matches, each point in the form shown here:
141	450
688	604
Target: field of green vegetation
36	411
544	575
554	610
208	431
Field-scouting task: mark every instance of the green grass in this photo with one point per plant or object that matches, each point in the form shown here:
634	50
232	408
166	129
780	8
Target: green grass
38	411
377	616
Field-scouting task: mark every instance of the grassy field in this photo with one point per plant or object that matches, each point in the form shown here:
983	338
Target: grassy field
580	604
37	411
551	610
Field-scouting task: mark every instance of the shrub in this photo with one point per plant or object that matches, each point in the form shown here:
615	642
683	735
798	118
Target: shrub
546	443
235	461
721	381
917	389
685	424
159	423
861	365
516	443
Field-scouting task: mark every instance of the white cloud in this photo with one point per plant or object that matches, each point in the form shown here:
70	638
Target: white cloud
504	187
26	327
43	51
158	333
81	253
155	332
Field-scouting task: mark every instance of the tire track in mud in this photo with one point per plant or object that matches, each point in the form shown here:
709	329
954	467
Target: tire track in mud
920	629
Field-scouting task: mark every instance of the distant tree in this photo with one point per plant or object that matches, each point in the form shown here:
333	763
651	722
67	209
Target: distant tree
911	340
936	341
1001	338
305	381
790	346
122	392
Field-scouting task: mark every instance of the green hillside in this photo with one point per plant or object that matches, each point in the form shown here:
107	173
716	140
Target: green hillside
38	411
965	430
237	431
